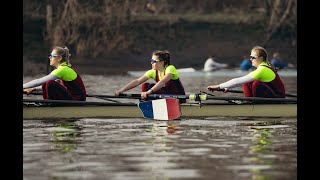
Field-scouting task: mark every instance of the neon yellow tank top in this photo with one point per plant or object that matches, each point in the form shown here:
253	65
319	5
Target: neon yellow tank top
64	72
169	69
263	73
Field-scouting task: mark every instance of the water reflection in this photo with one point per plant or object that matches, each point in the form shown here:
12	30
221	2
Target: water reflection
261	148
142	149
262	140
134	148
168	127
64	137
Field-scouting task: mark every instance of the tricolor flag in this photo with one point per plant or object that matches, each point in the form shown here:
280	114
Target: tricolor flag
161	109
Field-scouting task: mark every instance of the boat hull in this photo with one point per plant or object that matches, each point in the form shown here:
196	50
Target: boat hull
187	111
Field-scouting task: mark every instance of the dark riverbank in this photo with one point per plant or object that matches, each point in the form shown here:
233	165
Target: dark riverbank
188	42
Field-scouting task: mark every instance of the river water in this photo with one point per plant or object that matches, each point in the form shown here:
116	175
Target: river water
138	149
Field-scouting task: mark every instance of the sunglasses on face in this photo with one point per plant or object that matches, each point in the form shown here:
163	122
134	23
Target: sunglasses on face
53	55
253	57
153	61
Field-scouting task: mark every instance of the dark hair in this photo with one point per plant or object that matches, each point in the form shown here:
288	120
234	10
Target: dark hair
211	55
163	56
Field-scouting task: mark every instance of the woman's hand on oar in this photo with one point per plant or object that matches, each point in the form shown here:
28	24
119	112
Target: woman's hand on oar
217	88
230	90
117	93
28	91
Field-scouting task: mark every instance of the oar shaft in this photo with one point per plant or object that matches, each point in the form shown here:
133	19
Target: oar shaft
204	97
72	102
33	93
132	96
231	90
196	97
254	99
240	91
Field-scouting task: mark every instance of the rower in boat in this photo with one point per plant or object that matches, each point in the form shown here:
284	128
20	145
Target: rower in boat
262	82
165	75
211	64
63	83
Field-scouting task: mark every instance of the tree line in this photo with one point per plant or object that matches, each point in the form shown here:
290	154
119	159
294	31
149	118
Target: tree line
93	28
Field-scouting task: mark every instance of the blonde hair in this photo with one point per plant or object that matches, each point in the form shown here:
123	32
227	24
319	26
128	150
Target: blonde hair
261	52
64	53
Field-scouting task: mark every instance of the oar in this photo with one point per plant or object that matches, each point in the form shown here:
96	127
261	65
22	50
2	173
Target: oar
99	97
240	91
88	95
49	102
196	97
129	96
253	99
33	93
203	97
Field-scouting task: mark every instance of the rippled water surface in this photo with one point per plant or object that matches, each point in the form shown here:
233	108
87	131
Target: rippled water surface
137	148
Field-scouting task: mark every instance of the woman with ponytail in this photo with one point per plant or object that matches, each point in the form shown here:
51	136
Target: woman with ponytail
163	72
63	83
262	82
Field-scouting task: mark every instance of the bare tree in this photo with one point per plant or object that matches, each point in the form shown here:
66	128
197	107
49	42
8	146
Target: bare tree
283	13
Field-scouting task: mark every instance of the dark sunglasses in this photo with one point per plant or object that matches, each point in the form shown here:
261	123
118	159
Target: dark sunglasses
153	61
253	57
53	55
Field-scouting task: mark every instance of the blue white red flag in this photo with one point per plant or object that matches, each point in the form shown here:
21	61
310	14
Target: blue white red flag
161	109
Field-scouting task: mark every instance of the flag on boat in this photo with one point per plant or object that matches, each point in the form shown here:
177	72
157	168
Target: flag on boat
161	109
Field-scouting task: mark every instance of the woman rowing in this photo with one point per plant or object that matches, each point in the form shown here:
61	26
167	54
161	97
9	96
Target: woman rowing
63	83
165	75
262	82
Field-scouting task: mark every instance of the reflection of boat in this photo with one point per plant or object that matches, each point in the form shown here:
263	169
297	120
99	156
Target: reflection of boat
53	109
191	72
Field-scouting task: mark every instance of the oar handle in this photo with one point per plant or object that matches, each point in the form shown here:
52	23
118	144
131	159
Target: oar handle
196	97
138	96
230	90
33	92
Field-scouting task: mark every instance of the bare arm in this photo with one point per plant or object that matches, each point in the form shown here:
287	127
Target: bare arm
132	84
158	86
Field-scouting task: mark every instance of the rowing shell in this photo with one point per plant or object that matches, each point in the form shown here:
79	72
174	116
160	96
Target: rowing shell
55	109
